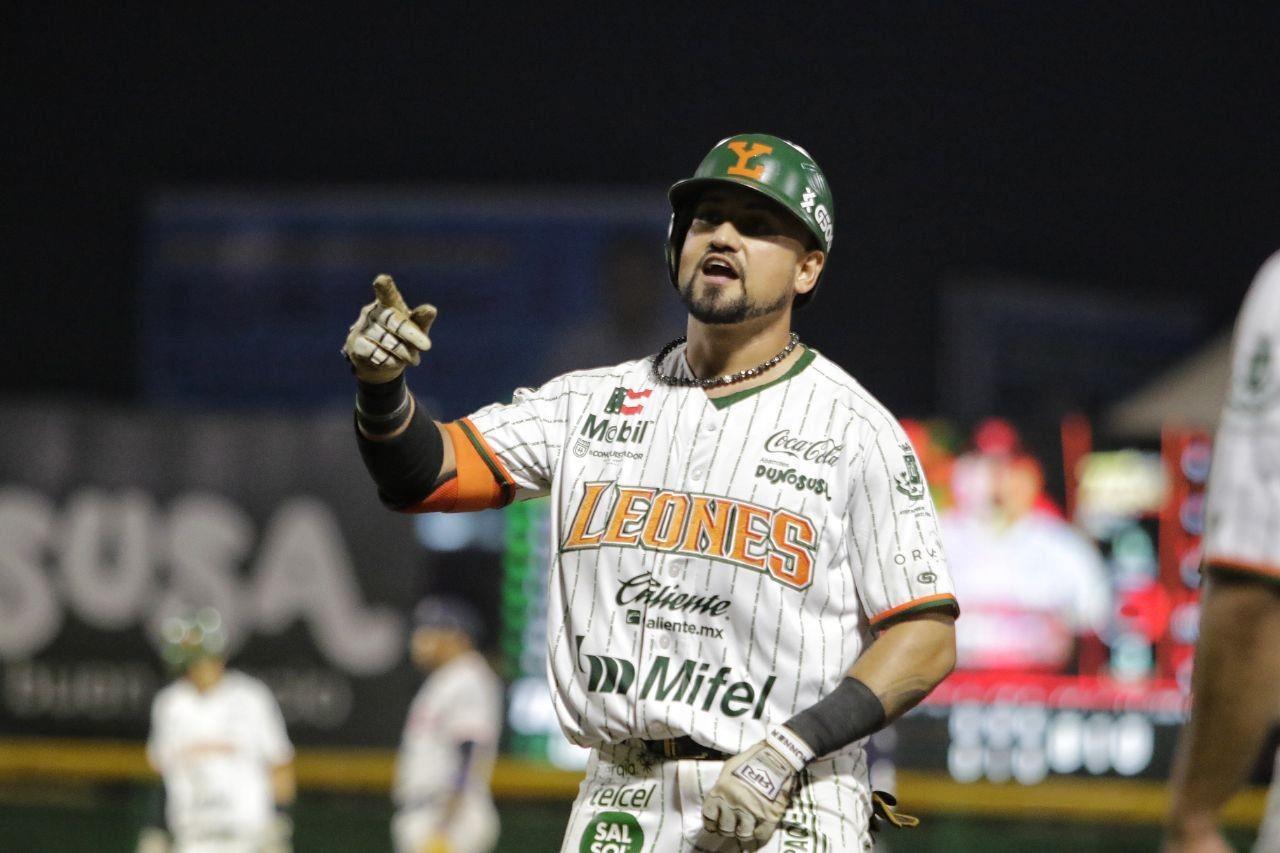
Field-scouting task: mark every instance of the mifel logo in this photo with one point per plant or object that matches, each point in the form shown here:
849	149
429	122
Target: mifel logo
746	155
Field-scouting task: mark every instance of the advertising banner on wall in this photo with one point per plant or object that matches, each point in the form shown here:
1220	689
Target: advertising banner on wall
112	521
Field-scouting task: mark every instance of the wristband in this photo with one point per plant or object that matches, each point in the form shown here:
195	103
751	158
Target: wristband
848	713
383	406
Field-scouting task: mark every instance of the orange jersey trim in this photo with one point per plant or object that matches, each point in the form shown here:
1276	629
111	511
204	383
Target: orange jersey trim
929	602
481	481
500	473
1232	565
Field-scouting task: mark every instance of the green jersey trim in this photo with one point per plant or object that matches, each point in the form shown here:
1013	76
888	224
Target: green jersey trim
801	363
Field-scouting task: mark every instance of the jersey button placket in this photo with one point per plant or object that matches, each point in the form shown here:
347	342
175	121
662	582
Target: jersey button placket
705	436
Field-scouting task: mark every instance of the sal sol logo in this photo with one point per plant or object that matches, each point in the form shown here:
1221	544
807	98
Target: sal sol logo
617	404
745	155
910	482
612	832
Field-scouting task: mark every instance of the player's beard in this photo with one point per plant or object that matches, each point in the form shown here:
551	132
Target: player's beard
715	309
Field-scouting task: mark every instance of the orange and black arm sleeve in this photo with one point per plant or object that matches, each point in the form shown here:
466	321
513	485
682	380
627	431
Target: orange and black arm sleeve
480	481
405	457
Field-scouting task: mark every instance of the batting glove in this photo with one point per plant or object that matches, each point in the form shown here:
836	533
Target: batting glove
754	788
387	337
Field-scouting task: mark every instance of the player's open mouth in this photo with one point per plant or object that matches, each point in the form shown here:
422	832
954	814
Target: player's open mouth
718	267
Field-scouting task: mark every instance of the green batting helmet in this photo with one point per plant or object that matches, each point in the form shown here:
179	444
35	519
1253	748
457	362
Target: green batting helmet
189	638
776	168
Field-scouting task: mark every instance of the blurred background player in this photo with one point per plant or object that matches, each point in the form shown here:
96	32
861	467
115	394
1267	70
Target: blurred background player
1236	680
218	739
450	740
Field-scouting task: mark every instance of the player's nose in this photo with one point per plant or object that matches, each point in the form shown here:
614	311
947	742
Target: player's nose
726	237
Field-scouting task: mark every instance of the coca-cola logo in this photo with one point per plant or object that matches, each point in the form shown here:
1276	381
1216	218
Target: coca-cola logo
823	451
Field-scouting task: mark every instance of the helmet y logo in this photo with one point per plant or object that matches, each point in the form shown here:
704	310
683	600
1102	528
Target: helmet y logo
745	156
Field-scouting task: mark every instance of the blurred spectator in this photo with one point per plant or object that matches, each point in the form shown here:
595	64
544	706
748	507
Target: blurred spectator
218	739
1032	584
450	741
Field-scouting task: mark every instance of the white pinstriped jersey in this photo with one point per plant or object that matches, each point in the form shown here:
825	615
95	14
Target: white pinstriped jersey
716	564
1243	522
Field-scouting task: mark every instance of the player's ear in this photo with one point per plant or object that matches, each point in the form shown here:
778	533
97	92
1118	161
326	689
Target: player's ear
808	269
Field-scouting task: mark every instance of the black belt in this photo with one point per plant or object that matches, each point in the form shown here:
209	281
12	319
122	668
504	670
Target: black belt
683	747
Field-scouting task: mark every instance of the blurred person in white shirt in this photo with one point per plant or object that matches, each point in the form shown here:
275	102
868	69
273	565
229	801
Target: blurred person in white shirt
450	741
1032	583
218	741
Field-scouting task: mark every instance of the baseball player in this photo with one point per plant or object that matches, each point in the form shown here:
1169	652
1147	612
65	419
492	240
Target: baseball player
450	740
218	740
1236	682
746	578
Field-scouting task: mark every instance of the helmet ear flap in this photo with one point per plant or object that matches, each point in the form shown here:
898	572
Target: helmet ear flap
677	230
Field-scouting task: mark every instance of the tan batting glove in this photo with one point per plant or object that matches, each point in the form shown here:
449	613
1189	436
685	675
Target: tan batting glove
755	786
387	337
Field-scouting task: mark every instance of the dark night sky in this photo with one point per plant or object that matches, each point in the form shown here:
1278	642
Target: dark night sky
1120	147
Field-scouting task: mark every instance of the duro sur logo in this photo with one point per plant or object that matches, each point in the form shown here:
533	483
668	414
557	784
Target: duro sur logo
822	451
790	477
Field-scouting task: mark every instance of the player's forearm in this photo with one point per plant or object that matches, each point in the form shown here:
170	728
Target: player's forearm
907	661
1234	688
895	673
404	450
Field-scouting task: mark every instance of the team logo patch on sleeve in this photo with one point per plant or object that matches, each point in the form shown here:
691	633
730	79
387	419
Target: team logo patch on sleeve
910	482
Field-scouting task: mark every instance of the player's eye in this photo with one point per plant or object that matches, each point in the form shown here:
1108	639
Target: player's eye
708	216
